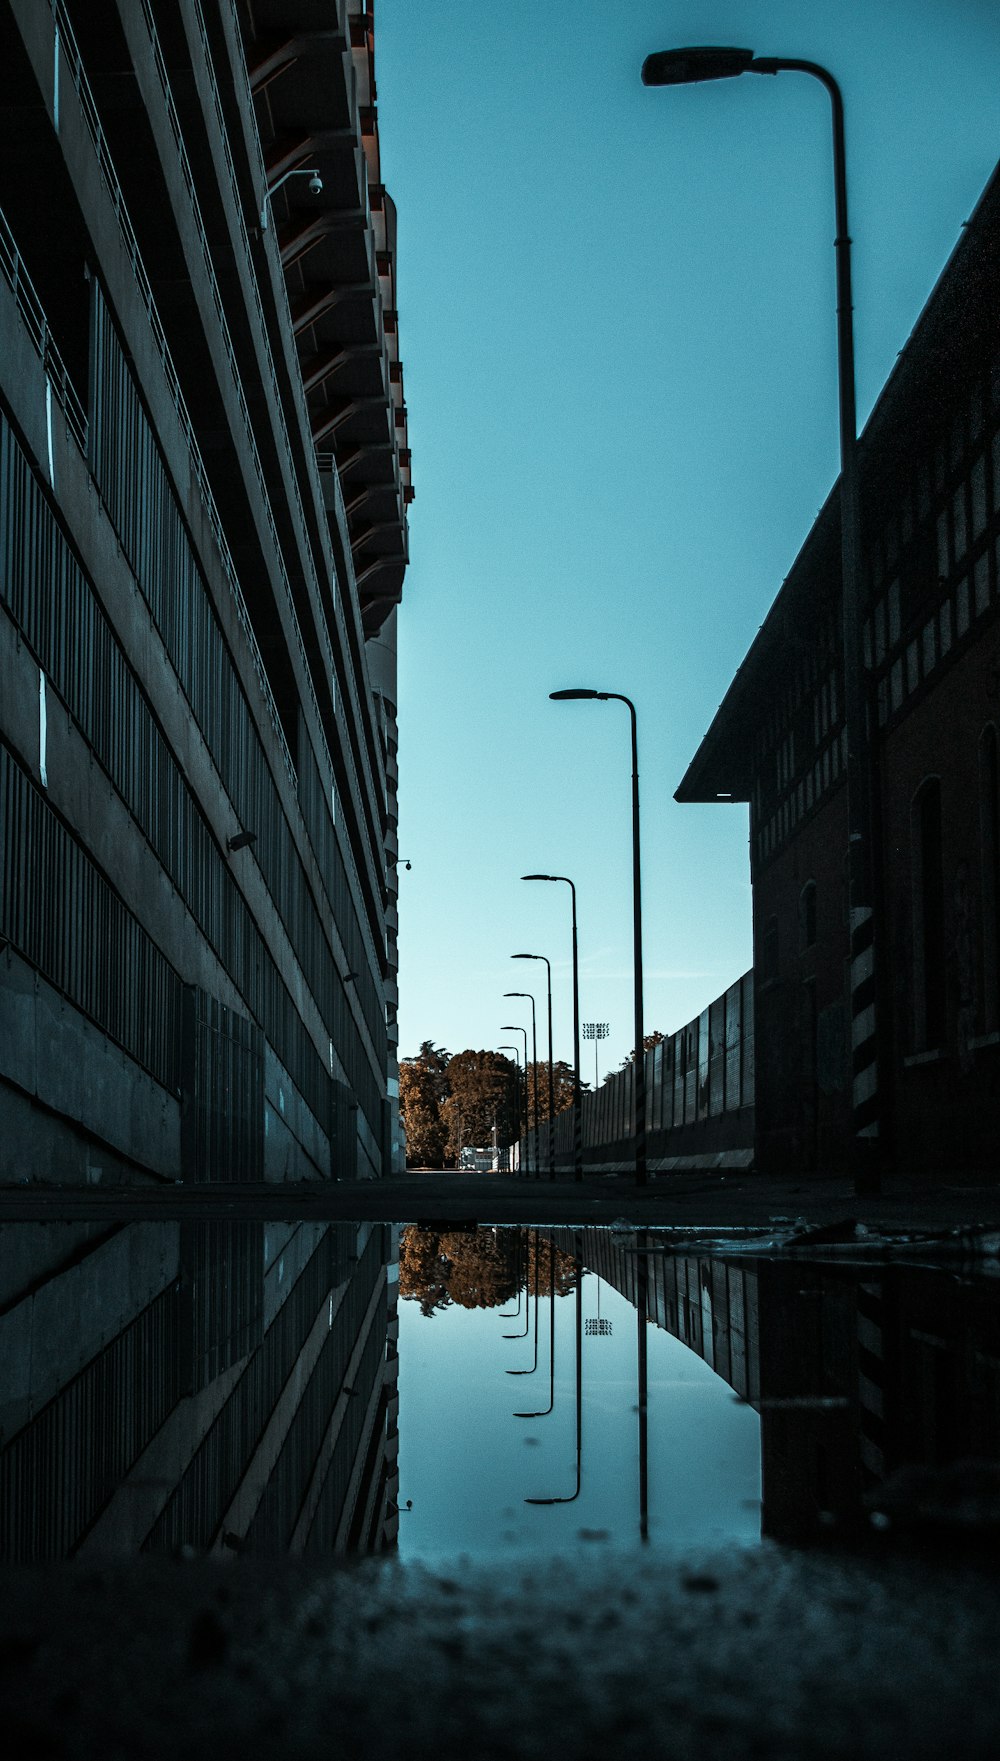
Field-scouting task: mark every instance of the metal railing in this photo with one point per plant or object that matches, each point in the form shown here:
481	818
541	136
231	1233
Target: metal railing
37	325
70	54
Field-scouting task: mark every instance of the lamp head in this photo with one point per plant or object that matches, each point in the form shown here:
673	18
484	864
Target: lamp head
527	956
571	696
686	67
517	993
538	877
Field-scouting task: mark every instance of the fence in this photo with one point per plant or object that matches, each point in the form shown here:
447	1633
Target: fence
699	1097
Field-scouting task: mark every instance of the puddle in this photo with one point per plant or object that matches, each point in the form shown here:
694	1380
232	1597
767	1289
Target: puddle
258	1388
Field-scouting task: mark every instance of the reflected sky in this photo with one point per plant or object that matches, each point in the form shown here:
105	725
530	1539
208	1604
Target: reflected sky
468	1464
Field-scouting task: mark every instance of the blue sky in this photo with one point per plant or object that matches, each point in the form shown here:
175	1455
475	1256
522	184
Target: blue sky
618	336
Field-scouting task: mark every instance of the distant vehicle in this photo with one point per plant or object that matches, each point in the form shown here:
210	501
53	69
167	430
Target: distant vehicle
480	1161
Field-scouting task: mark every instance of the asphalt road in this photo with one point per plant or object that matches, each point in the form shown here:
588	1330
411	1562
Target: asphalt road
693	1201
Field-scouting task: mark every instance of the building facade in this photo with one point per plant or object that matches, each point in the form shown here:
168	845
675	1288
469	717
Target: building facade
929	464
204	480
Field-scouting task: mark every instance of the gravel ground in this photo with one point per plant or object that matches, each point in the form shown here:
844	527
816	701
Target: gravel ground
759	1653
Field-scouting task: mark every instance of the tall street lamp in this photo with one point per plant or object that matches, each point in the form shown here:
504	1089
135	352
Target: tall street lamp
672	67
517	1081
552	1090
639	1083
534	1070
577	1124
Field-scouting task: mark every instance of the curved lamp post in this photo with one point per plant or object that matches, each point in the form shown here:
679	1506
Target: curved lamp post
675	67
517	1079
534	1073
544	1411
579	1388
577	1123
534	1363
552	1091
522	1238
639	1080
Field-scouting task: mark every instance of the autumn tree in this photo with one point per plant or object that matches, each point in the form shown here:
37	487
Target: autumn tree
420	1111
483	1090
562	1086
478	1269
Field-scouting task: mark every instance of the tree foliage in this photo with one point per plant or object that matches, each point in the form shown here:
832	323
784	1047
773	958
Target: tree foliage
420	1111
475	1270
478	1269
448	1102
562	1085
482	1094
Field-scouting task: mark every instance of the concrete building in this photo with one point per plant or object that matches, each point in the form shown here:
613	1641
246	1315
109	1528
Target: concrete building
929	465
204	479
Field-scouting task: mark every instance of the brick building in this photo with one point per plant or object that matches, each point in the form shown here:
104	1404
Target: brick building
929	463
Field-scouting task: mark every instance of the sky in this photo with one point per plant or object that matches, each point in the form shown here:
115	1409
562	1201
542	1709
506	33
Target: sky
467	1464
617	327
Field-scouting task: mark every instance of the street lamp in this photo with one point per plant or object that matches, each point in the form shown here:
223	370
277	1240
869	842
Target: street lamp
639	1083
511	1027
577	1123
552	1091
671	67
517	1080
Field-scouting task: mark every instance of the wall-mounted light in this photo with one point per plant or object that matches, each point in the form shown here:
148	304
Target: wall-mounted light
241	841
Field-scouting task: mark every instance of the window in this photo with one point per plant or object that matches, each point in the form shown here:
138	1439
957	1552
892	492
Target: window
989	837
928	917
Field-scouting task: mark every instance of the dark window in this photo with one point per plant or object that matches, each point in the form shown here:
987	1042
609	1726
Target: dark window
928	917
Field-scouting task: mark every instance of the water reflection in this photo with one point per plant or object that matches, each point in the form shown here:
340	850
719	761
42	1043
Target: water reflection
235	1387
866	1394
208	1386
567	1469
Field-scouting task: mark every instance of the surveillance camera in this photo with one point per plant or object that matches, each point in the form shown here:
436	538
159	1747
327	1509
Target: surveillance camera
315	184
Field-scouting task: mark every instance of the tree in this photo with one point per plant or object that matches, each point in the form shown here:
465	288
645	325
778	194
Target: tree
435	1061
474	1270
420	1111
482	1092
562	1084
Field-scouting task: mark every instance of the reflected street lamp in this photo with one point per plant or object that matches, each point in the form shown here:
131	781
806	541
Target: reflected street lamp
639	1081
552	1092
577	1121
672	67
579	1387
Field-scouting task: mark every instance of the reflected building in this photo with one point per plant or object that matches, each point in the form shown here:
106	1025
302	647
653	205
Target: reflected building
204	482
212	1386
862	1377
